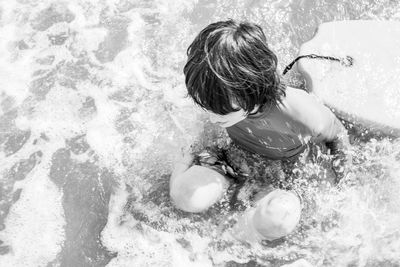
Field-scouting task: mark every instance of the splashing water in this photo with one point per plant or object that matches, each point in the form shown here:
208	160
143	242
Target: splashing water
93	111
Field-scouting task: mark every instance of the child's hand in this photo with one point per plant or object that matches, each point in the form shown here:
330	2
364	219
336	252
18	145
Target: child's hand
339	144
338	168
340	162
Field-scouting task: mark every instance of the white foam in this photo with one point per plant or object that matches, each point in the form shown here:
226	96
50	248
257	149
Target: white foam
101	134
57	116
147	247
14	67
34	227
35	224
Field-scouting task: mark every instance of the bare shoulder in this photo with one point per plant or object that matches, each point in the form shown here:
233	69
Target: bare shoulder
295	96
307	109
298	102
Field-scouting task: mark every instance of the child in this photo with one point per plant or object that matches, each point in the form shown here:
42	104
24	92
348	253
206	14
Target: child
232	73
194	188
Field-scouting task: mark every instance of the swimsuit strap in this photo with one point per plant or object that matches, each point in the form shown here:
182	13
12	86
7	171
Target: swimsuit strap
347	61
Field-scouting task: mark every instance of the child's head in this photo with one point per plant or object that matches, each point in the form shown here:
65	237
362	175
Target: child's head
231	68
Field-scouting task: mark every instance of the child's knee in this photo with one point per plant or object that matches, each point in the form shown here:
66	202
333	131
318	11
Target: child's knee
197	189
277	214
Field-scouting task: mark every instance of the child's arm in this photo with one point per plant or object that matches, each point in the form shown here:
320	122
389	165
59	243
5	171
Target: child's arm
319	119
322	123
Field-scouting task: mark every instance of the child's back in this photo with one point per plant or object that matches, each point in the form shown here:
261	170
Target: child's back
282	131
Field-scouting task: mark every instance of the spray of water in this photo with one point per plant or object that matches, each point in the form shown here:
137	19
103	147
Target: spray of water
93	105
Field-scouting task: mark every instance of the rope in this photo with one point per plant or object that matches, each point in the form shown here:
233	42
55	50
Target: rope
347	61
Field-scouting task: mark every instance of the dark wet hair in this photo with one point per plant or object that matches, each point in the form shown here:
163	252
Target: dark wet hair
230	62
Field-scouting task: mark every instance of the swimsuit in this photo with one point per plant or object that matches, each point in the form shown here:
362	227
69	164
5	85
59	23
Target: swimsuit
271	134
240	165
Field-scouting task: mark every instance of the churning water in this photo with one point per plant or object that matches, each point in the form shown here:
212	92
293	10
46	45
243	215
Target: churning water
93	111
